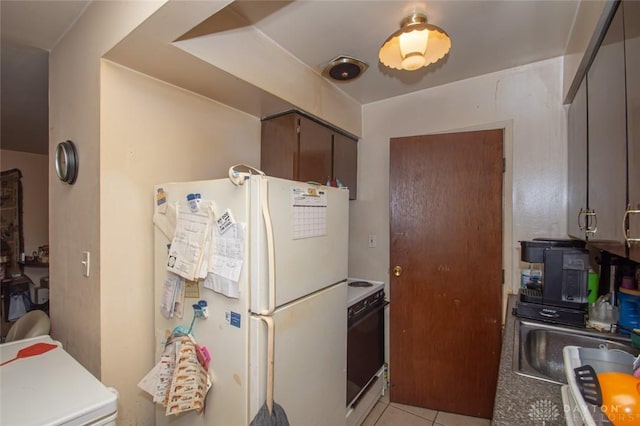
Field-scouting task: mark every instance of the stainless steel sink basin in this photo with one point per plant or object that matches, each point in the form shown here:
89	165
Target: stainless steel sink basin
537	350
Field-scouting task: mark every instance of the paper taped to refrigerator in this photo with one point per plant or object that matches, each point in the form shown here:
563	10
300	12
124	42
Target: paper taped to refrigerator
165	220
228	253
190	239
172	296
309	212
227	258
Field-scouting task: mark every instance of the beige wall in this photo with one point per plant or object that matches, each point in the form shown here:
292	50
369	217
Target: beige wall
131	132
150	133
35	197
74	210
526	101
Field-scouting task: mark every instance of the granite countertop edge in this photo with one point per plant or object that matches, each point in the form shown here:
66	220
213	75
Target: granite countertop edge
518	397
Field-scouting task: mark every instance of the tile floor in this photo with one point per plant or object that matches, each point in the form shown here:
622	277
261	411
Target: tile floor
385	413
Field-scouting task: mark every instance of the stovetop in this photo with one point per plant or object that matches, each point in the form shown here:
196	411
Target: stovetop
358	289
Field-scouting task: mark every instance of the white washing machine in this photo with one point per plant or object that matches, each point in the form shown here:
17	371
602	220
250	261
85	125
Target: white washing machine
51	389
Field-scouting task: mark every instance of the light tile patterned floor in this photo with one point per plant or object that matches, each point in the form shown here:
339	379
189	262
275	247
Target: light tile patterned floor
392	414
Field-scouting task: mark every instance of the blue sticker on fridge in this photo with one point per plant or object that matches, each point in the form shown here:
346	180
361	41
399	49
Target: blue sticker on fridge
232	318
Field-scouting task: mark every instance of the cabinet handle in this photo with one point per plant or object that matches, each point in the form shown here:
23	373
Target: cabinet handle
591	214
627	231
582	213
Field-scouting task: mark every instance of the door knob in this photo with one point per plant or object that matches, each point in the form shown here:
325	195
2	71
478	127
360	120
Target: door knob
397	271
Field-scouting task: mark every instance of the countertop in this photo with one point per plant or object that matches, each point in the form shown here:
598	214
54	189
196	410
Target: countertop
521	400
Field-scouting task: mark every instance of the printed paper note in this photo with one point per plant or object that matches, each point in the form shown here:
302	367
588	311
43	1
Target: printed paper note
226	262
309	213
188	244
170	294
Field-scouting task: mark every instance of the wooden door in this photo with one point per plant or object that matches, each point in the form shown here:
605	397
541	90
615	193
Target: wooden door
446	235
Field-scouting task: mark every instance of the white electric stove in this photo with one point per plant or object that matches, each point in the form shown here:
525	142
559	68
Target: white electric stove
359	289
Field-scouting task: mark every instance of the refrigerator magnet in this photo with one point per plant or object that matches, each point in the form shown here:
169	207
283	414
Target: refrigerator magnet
161	201
161	197
232	318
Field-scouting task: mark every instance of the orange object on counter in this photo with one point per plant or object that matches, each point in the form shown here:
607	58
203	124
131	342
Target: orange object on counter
620	398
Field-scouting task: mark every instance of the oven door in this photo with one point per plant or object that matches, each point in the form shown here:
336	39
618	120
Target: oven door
365	350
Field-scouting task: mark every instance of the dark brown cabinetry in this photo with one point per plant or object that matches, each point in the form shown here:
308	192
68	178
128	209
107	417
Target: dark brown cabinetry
608	137
297	147
632	61
604	142
579	216
345	162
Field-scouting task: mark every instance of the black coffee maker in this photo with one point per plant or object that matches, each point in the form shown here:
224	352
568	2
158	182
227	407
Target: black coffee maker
561	296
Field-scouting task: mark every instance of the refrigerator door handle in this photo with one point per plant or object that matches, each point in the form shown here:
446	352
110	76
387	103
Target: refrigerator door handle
264	202
237	177
270	359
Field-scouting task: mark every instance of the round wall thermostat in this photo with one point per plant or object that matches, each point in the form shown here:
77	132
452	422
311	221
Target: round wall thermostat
66	162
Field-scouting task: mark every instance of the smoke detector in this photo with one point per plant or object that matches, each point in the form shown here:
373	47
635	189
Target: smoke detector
344	68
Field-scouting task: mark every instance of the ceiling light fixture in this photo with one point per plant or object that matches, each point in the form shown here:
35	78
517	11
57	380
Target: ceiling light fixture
415	45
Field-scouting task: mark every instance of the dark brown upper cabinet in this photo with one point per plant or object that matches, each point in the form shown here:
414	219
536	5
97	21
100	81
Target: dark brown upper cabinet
632	62
579	219
604	142
297	147
608	137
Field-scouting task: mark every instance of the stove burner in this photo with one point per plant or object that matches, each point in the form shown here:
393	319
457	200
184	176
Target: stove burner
360	284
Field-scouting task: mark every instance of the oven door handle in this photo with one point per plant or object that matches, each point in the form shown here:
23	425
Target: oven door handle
373	311
364	308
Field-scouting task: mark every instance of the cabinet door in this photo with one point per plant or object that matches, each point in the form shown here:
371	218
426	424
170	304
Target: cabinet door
345	162
607	136
632	51
577	174
279	147
314	162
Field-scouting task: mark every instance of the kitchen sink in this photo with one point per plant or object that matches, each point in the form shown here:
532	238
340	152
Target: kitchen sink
537	350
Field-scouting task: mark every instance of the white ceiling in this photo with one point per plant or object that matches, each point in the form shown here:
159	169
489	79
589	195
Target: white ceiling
486	36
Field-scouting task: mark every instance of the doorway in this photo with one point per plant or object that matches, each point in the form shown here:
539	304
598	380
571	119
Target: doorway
446	194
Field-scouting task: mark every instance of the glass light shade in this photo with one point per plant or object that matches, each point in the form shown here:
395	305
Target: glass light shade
420	50
413	61
414	42
413	45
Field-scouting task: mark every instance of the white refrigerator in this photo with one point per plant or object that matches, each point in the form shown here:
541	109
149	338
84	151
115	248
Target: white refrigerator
293	275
